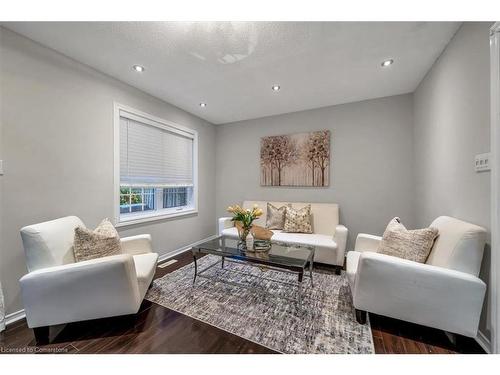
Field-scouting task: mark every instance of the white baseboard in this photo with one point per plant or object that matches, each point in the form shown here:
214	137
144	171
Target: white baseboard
14	317
171	254
483	341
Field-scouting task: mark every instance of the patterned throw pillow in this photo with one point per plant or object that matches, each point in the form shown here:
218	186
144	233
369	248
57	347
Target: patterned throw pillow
413	245
101	242
298	221
275	218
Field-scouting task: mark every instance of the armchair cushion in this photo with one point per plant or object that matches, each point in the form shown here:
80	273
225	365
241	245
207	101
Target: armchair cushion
100	242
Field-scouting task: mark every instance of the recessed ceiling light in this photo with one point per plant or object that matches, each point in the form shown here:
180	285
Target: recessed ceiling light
203	105
276	87
138	68
387	62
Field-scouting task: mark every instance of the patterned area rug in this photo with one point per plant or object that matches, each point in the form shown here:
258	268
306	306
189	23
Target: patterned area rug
324	324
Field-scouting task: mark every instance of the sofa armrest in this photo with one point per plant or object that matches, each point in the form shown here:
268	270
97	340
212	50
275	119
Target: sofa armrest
85	290
340	239
223	223
367	242
134	245
420	293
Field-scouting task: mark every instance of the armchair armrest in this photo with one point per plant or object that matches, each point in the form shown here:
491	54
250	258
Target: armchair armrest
367	242
340	238
134	245
420	293
85	290
223	223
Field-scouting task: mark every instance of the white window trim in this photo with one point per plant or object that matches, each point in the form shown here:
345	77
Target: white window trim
165	125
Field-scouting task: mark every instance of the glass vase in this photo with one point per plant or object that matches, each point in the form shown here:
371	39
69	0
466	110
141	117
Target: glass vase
243	233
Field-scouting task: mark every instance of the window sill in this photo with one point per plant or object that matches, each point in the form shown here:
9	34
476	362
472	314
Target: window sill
155	217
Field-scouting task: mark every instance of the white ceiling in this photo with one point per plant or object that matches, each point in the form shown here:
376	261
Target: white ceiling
232	66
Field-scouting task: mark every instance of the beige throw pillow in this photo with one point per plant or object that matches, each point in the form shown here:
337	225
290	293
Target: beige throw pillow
101	242
275	218
413	245
298	221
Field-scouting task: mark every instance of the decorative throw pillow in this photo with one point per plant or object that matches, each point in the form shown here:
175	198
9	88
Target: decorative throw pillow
260	233
298	221
101	242
275	218
400	242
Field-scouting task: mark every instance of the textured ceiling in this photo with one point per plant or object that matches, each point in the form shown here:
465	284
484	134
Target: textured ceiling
232	66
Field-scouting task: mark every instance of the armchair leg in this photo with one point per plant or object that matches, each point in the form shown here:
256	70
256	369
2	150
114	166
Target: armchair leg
41	335
361	316
338	270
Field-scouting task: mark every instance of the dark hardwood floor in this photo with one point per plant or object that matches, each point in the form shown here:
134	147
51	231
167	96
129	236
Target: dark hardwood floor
156	329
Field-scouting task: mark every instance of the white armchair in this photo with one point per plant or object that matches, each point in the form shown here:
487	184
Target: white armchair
58	290
443	293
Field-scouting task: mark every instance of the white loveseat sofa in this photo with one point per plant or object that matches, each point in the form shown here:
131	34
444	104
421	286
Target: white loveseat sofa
329	237
57	290
443	293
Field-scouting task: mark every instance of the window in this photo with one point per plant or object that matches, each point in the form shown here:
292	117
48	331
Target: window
155	164
136	199
175	197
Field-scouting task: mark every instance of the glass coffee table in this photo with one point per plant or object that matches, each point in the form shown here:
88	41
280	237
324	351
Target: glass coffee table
283	257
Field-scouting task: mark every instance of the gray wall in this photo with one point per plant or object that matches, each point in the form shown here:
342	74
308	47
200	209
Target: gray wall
371	169
58	149
451	109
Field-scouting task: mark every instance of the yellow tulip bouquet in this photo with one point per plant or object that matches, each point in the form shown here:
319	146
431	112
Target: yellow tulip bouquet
245	218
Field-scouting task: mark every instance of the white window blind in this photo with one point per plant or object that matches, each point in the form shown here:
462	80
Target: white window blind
152	155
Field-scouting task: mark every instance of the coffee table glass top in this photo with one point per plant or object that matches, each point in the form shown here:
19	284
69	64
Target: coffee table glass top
281	254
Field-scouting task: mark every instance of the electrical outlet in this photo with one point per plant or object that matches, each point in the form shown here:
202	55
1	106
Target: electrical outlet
482	162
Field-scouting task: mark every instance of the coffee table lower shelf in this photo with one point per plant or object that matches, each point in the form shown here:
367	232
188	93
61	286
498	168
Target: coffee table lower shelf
300	274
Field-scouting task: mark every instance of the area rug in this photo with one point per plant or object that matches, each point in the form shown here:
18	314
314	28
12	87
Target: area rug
324	323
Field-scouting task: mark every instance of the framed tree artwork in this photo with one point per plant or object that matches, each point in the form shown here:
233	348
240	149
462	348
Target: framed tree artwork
301	159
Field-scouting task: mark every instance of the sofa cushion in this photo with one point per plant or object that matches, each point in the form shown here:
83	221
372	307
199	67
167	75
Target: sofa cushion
275	218
100	242
311	239
414	245
298	221
145	267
